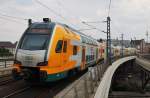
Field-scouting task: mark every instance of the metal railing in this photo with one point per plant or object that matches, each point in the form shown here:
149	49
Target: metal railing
5	63
87	85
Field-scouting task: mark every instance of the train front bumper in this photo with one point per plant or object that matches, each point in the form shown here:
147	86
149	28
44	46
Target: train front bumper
36	74
29	74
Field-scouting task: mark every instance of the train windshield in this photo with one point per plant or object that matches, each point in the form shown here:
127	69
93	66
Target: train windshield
35	39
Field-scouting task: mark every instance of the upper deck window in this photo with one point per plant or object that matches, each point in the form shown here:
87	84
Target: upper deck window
75	50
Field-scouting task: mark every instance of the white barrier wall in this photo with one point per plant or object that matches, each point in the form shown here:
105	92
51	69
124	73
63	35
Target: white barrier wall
103	89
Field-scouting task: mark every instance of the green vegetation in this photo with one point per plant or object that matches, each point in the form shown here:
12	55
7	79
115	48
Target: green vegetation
5	52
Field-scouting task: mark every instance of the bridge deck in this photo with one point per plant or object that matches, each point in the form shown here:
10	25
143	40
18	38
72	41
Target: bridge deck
103	89
129	95
143	63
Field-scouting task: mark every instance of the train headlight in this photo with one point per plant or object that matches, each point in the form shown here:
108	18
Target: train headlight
45	63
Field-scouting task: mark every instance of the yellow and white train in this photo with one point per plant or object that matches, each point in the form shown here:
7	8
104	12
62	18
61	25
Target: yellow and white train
49	51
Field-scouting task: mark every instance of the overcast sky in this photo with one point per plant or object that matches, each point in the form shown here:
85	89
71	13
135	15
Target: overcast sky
131	17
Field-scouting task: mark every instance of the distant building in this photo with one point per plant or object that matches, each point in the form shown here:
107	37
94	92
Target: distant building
8	45
147	48
116	42
139	45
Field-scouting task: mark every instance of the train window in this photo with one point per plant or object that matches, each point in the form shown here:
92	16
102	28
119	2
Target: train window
65	46
34	42
59	46
87	58
91	42
74	50
83	40
103	50
86	41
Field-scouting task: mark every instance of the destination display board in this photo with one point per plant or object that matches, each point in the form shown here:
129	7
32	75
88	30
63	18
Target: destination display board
39	31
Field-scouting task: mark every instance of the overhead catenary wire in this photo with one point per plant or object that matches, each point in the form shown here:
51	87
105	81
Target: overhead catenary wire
9	19
94	21
66	9
2	13
42	4
115	26
86	29
60	4
86	23
14	17
109	7
53	11
93	27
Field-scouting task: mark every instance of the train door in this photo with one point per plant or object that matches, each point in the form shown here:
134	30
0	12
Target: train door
83	58
64	52
58	50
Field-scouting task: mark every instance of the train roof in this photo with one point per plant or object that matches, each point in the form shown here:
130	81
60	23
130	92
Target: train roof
47	24
90	39
42	25
85	38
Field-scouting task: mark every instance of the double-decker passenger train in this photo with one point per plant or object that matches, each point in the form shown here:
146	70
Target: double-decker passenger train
49	51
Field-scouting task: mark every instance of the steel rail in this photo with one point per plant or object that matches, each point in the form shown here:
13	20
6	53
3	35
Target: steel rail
16	92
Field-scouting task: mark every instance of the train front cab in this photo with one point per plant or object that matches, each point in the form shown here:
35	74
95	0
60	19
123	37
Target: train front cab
60	57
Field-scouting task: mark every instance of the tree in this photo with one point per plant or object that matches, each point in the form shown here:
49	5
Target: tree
5	52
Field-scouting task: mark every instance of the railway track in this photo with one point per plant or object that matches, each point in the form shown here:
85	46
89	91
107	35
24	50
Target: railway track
41	91
5	80
16	92
12	87
20	89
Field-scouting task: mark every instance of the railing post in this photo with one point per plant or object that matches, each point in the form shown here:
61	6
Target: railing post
91	83
86	94
98	73
76	92
95	75
5	63
104	67
100	67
